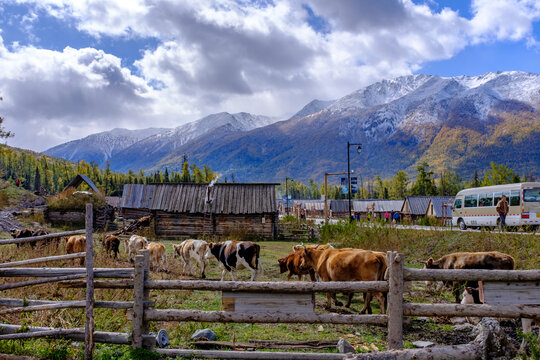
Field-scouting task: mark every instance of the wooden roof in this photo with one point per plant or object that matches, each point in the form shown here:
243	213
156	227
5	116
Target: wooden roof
79	179
230	198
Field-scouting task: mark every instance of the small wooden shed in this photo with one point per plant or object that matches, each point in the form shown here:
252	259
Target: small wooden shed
190	210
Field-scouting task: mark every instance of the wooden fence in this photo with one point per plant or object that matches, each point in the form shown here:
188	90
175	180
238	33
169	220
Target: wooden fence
142	313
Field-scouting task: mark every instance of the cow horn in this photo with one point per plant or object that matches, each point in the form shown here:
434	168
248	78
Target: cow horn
317	246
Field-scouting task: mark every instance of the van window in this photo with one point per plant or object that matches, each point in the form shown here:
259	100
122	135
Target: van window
514	198
471	200
485	199
457	204
531	195
498	196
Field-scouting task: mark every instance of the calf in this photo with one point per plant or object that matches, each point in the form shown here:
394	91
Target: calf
292	263
134	244
158	256
347	265
237	255
22	233
76	244
112	245
193	251
471	260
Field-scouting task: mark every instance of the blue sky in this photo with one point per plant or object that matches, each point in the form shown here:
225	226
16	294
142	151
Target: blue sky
69	69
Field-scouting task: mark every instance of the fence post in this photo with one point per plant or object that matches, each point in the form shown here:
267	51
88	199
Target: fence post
89	321
138	302
146	291
395	301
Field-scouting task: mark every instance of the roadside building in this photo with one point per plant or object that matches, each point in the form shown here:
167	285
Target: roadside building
416	207
377	207
191	210
440	207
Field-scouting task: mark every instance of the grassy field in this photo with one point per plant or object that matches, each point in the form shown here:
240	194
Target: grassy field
414	244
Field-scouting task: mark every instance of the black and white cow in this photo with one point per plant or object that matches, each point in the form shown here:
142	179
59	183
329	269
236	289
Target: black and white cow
237	255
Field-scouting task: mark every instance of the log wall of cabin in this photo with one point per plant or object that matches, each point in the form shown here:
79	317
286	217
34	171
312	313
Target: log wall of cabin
175	225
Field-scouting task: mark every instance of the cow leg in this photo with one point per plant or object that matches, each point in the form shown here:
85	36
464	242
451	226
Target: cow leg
526	325
203	267
253	274
299	277
456	286
336	301
312	275
329	297
349	299
367	304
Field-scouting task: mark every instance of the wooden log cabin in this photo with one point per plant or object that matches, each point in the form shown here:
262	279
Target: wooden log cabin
193	210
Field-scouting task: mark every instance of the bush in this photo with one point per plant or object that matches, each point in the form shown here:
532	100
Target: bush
70	200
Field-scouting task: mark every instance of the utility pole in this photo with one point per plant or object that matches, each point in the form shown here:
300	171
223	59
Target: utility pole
359	148
326	193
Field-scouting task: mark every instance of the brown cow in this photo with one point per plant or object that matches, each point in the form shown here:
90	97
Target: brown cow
75	244
292	263
471	260
112	245
347	265
158	256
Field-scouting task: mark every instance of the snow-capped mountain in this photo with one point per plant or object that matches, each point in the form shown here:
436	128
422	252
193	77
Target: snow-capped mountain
146	153
456	123
102	146
311	108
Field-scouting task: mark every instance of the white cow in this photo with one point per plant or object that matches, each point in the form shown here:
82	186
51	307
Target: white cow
193	251
135	243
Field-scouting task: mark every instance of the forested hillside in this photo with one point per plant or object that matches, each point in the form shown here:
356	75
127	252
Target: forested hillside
48	175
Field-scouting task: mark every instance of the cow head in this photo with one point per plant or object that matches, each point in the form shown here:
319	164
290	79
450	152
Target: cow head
306	259
176	250
215	249
15	233
282	265
431	264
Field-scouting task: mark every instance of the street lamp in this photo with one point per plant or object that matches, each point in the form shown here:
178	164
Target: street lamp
358	149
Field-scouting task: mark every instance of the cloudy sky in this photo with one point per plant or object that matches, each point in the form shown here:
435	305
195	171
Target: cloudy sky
70	68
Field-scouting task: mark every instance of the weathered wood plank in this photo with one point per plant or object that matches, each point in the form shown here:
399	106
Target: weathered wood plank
97	304
138	301
510	293
98	284
258	302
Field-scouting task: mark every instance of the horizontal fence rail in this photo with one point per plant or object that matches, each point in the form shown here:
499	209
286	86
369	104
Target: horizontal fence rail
470	274
98	304
269	286
43	259
53	272
269	318
21	284
479	310
99	336
98	284
41	237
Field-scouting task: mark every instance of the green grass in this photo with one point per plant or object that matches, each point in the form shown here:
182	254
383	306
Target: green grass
414	244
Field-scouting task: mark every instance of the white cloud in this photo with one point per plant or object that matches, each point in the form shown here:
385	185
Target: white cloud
225	55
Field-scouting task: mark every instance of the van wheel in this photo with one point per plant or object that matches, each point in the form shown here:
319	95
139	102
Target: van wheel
462	225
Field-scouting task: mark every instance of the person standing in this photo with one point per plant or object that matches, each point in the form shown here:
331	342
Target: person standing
386	216
502	209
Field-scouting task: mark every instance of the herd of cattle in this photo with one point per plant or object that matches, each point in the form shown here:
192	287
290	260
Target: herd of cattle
320	262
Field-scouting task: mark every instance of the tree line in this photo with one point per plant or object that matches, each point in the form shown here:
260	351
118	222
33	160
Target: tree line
43	174
401	185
